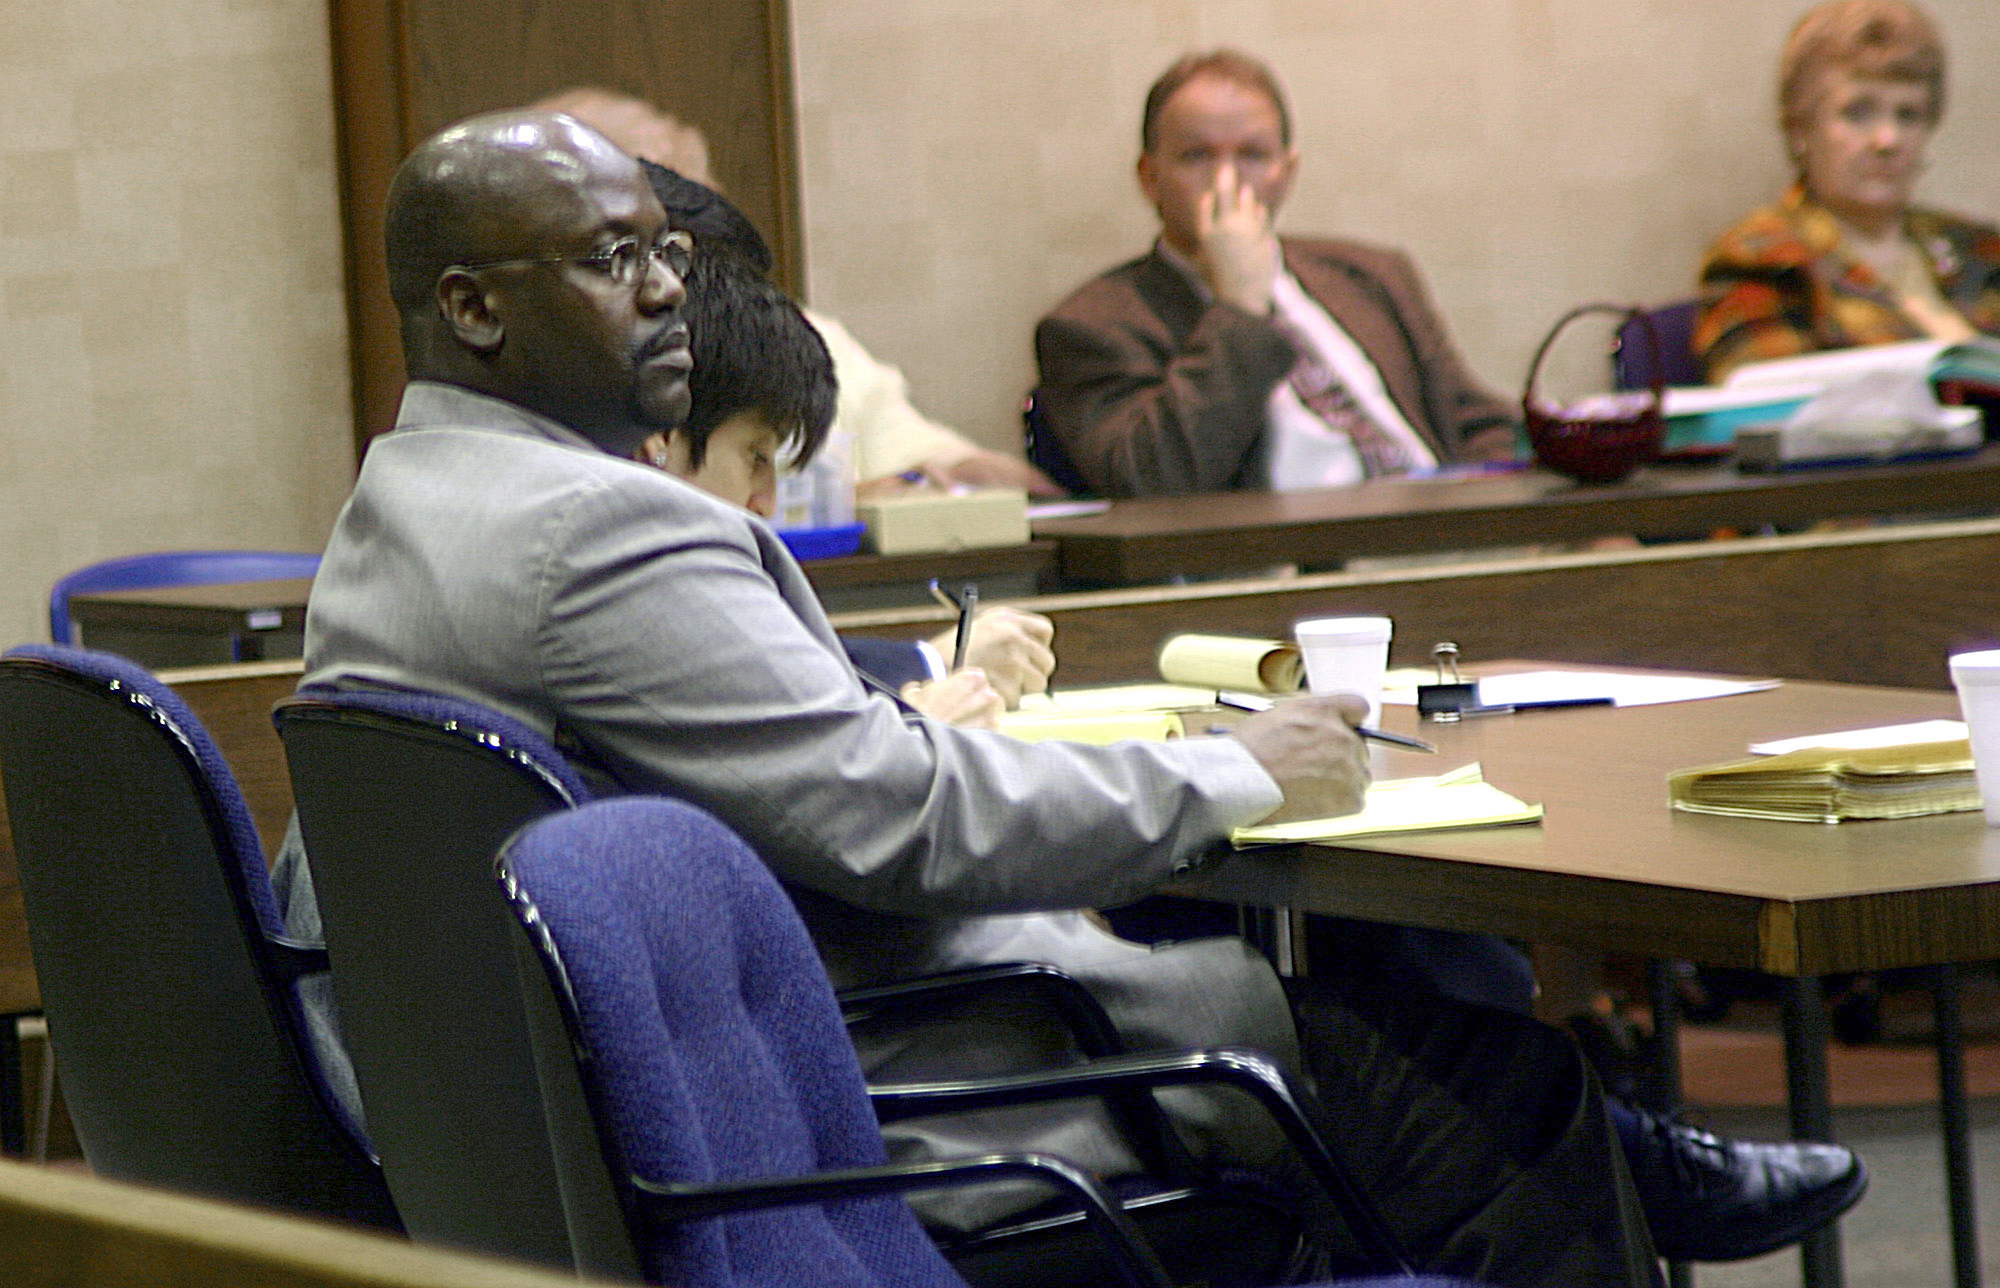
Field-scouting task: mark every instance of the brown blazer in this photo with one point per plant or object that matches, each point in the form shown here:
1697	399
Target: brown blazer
1152	392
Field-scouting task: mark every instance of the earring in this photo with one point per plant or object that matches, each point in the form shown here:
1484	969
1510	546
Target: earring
660	458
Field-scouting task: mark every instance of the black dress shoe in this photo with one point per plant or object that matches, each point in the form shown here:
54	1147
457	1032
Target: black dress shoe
1709	1199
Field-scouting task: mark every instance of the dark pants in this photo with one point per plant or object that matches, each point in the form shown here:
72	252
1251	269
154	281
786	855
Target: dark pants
1481	1134
1483	970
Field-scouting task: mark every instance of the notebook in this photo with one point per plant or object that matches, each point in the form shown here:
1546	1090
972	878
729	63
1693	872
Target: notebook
1833	784
1461	798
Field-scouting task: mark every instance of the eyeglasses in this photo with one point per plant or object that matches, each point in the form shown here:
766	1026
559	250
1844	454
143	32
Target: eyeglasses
624	261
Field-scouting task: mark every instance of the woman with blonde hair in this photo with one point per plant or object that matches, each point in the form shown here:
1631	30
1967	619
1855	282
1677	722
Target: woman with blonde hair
1844	258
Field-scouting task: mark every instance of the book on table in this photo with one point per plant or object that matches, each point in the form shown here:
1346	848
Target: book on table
1834	784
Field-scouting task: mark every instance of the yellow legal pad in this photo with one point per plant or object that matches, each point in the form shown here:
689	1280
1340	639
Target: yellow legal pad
1231	662
1099	728
1123	699
1832	785
1461	798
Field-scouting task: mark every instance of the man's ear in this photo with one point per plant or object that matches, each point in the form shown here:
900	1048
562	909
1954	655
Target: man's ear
1288	170
1148	173
468	310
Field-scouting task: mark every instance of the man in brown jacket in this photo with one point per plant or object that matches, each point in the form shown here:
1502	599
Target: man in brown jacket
1228	357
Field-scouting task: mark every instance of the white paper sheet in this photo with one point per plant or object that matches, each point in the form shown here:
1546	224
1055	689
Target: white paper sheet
1624	690
1039	510
1901	735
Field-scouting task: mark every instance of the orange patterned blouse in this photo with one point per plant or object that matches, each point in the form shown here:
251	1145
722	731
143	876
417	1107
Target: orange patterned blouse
1779	283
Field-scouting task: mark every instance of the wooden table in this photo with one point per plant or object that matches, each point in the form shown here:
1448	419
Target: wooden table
1613	868
181	626
1807	606
1155	539
1033	562
250	621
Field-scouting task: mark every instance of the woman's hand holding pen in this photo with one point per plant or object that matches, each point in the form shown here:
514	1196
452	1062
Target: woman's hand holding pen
963	698
1014	648
1309	745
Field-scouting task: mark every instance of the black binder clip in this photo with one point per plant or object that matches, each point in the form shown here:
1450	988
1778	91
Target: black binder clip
1445	701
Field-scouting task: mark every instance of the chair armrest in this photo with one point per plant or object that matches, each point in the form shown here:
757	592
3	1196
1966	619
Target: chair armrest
1059	995
1248	1071
1082	1014
668	1204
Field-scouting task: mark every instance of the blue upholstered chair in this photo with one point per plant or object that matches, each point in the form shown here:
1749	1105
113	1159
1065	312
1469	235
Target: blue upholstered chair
1633	363
707	1111
171	990
171	568
402	799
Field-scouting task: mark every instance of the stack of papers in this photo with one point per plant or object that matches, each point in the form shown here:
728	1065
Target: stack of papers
1833	784
1462	798
1702	420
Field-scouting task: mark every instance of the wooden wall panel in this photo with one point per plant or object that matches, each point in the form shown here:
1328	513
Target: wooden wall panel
405	68
1882	606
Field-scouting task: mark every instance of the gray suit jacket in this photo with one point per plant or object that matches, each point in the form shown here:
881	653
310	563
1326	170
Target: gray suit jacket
1154	391
671	641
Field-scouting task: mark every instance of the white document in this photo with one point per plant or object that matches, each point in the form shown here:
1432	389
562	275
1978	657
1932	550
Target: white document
1835	366
1901	735
1039	510
1623	690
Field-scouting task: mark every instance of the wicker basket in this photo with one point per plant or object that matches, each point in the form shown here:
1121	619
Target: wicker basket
1603	444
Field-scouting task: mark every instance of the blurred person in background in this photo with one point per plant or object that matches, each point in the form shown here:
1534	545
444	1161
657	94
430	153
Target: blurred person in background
1844	258
891	438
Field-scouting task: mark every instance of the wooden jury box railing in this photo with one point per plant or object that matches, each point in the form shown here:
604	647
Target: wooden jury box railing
1880	606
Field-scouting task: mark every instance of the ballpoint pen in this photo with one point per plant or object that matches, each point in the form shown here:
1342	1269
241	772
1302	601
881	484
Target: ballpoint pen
968	600
1539	704
1252	702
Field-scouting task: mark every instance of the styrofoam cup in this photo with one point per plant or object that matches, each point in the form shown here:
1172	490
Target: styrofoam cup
1976	676
1347	655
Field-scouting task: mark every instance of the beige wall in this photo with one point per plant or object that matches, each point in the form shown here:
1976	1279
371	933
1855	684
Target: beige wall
173	366
967	162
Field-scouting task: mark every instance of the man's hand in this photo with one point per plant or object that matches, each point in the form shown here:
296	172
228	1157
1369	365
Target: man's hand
963	698
981	467
1013	648
1310	747
1239	251
987	468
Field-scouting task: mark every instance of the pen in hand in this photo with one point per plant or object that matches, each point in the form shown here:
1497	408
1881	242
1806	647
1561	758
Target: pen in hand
1386	738
968	600
1252	702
